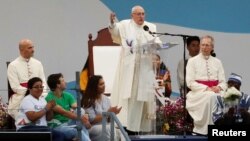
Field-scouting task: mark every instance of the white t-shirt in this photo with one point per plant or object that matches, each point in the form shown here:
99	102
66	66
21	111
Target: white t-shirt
29	103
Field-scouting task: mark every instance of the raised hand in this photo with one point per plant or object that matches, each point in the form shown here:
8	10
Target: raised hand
112	18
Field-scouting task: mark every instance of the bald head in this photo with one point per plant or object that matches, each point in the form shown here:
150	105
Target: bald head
26	48
138	14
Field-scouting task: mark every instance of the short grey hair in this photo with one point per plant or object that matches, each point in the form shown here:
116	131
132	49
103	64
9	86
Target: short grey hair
136	7
208	37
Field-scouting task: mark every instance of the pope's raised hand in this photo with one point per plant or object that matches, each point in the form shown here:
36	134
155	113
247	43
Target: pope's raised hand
112	18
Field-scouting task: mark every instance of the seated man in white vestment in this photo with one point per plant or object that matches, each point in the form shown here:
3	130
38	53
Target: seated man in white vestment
20	71
206	79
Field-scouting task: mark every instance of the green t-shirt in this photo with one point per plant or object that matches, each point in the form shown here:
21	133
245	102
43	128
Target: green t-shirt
65	102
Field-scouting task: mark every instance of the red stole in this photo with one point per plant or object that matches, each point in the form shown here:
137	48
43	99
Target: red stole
209	83
24	85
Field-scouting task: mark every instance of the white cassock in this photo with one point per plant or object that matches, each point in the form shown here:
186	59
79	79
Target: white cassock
201	103
180	74
133	85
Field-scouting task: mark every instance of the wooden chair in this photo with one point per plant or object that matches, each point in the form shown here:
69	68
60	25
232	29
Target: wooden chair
10	91
11	121
103	39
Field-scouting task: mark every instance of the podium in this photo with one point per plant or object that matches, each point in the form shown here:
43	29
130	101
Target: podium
134	89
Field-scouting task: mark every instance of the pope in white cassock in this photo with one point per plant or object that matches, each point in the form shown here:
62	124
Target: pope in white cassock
206	79
133	85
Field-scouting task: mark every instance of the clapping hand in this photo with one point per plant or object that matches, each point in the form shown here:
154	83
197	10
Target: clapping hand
166	76
51	104
85	121
115	109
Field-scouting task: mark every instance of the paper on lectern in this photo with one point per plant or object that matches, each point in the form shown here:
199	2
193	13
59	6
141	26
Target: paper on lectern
168	45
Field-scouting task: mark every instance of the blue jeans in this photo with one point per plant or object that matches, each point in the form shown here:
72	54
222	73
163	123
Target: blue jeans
56	135
70	130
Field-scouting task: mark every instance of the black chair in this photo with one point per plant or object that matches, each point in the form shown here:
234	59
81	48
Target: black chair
11	121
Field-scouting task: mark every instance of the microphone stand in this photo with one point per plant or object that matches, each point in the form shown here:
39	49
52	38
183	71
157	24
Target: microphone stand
170	34
184	37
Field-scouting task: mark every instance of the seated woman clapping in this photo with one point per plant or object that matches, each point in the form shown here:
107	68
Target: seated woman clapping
34	110
95	102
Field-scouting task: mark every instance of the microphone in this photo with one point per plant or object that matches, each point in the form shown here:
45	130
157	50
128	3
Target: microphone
146	28
213	53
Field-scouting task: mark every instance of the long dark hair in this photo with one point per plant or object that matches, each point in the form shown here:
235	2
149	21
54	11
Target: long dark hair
91	93
31	82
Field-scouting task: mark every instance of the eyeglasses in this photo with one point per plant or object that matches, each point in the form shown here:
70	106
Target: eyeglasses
38	87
